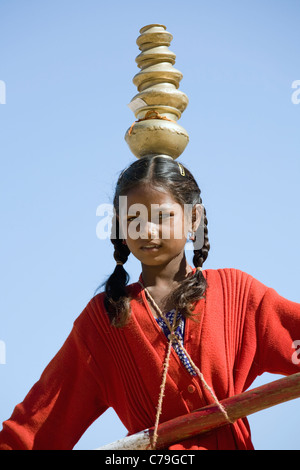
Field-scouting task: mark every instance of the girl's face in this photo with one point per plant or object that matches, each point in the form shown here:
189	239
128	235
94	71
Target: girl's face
154	225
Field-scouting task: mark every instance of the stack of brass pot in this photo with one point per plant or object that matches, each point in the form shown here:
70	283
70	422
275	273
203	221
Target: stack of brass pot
159	103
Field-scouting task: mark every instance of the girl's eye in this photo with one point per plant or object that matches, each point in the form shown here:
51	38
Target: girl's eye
131	218
161	216
166	215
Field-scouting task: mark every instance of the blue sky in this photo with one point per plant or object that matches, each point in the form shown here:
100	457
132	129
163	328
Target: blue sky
67	67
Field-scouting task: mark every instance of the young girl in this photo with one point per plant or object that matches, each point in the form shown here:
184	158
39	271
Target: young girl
174	341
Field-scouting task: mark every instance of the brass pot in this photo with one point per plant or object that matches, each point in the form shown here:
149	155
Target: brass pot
159	103
157	137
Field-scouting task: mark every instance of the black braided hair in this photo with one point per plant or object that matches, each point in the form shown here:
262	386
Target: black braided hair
163	173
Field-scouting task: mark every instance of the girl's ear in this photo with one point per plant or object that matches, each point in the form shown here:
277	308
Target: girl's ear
197	216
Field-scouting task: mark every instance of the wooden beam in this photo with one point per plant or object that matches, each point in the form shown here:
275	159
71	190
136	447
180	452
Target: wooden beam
210	417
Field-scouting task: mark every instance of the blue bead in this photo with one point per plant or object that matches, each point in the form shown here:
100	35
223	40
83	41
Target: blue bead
180	335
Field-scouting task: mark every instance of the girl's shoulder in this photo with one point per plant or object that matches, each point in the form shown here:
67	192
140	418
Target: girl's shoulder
227	272
96	311
233	281
228	275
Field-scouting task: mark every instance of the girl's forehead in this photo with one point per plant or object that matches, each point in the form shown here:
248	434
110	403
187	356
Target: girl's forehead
147	194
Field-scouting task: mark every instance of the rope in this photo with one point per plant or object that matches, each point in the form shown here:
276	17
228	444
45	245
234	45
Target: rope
172	337
200	375
163	384
150	115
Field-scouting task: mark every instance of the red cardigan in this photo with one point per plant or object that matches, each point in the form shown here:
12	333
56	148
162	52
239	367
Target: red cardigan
243	329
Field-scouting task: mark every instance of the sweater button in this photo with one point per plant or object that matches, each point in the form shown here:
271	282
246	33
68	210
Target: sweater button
191	388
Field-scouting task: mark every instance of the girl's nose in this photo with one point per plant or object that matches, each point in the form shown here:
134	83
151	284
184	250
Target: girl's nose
150	230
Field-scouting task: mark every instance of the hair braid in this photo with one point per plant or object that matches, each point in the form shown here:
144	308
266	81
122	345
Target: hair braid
200	255
122	251
117	300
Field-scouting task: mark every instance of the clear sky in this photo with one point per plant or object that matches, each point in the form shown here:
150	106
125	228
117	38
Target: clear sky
66	74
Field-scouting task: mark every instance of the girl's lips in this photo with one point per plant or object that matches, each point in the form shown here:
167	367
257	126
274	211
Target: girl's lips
150	247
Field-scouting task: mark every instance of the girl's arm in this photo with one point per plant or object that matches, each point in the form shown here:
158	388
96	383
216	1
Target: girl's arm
278	334
61	405
270	330
262	329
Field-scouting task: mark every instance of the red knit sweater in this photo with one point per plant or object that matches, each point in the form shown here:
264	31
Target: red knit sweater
242	329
